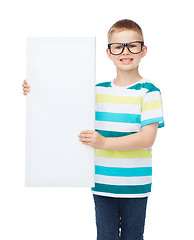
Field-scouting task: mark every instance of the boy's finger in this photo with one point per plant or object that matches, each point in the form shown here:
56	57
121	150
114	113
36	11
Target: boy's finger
26	85
85	135
25	82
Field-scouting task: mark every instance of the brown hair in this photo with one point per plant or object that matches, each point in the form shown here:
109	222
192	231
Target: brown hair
124	24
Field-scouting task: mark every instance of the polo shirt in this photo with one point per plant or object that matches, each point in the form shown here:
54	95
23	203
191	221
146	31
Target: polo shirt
122	111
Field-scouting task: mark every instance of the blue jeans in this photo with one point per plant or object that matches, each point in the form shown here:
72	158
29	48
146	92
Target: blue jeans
120	218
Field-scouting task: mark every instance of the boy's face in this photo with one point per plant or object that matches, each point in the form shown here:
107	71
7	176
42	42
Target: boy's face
133	60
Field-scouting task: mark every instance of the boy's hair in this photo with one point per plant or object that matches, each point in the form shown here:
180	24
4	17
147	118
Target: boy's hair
124	24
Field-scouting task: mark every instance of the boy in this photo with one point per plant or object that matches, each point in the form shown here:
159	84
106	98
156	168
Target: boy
128	114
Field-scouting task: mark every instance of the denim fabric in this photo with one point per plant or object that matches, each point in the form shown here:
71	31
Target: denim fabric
120	218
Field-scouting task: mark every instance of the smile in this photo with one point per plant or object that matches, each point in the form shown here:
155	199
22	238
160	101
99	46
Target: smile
126	60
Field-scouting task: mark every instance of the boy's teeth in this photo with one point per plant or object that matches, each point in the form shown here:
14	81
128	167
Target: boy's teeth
128	59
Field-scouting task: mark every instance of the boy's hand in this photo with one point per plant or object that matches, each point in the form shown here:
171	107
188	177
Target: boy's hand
92	138
26	87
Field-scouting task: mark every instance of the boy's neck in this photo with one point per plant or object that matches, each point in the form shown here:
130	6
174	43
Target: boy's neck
125	78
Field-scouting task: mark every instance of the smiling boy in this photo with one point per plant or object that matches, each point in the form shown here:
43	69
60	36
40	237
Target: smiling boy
128	114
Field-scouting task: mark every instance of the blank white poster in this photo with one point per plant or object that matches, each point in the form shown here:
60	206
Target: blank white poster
60	104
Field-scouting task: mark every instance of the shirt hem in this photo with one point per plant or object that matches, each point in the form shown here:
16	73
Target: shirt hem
121	195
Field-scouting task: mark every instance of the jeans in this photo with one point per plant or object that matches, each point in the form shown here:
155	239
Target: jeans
120	218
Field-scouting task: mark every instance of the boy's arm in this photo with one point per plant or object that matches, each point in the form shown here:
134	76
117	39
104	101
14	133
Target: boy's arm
143	139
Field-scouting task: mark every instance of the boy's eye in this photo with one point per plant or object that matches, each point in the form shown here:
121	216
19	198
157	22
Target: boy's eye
132	46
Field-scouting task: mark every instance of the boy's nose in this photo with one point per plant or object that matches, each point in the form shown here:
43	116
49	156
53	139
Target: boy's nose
126	50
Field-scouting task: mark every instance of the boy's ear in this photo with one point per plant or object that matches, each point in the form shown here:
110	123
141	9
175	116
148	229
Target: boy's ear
108	53
144	51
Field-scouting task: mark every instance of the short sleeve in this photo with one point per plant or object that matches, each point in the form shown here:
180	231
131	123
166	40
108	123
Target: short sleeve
152	109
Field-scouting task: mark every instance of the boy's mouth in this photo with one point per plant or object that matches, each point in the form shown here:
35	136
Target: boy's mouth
126	60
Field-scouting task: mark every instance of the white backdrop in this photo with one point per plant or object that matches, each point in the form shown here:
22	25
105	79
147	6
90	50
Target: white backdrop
68	213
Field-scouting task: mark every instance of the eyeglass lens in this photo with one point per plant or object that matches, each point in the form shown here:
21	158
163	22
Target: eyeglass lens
117	48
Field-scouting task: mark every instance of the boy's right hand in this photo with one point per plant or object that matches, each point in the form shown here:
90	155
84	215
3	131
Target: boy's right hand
26	87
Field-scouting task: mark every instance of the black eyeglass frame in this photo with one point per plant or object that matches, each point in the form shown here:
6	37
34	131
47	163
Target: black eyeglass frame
126	45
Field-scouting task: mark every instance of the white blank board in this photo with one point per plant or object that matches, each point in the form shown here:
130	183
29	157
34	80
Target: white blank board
61	74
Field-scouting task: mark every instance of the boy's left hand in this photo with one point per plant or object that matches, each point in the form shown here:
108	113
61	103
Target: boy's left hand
92	138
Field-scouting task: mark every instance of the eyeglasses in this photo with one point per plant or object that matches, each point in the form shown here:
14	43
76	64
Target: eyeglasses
133	47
